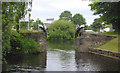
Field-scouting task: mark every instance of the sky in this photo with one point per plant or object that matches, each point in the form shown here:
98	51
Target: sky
44	9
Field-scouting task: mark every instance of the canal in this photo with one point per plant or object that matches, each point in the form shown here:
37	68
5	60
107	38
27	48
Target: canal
60	56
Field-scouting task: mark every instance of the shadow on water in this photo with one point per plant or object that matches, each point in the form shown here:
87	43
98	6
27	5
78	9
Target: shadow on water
31	62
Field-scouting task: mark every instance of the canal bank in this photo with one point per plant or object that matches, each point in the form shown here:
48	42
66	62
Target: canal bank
112	54
89	42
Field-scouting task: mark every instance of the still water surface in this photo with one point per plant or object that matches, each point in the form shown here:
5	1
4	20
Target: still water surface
60	56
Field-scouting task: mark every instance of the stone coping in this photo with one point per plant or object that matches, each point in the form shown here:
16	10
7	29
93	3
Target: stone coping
112	54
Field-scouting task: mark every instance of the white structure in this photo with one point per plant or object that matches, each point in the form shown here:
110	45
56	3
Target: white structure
82	26
77	26
105	30
47	22
90	31
39	25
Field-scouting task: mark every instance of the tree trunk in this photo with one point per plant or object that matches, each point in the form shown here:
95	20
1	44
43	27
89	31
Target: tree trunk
98	30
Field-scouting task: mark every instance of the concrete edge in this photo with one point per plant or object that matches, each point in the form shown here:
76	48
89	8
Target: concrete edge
111	54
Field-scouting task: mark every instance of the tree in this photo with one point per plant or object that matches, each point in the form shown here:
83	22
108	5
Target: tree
35	24
88	27
12	12
97	25
78	19
29	18
61	29
31	21
108	11
66	15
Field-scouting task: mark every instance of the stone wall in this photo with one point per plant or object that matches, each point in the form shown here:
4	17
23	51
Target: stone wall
39	37
107	53
90	41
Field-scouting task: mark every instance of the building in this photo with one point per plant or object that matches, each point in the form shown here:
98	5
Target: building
47	22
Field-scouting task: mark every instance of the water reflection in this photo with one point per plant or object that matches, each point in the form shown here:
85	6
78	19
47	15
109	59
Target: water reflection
61	61
60	56
92	62
61	44
31	62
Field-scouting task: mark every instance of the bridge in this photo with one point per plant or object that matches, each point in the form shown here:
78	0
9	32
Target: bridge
78	32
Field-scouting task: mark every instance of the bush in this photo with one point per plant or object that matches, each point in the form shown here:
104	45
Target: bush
17	44
23	46
61	29
29	46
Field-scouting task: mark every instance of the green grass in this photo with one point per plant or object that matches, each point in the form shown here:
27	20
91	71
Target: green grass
111	45
110	33
91	32
119	43
104	33
29	31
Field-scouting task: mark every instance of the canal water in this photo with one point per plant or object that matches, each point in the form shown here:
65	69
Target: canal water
60	56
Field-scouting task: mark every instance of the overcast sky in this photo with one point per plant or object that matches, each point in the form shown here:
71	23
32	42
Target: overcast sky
44	9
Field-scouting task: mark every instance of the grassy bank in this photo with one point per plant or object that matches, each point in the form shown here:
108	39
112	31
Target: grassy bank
110	33
111	45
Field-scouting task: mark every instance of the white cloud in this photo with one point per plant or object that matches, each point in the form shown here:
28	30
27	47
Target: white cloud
43	9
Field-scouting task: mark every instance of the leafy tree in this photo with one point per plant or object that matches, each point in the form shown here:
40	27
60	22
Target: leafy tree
61	29
29	10
66	15
78	19
108	11
12	12
88	27
97	25
31	21
23	25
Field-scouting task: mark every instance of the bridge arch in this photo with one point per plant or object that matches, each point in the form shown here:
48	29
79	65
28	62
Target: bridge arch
41	27
79	32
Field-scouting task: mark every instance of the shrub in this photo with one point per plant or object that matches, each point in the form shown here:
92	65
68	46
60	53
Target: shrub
61	29
23	45
29	46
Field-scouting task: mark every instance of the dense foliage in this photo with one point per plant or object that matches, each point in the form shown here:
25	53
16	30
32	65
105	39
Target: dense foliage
108	11
22	45
12	12
66	15
24	25
12	41
78	19
61	29
97	25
